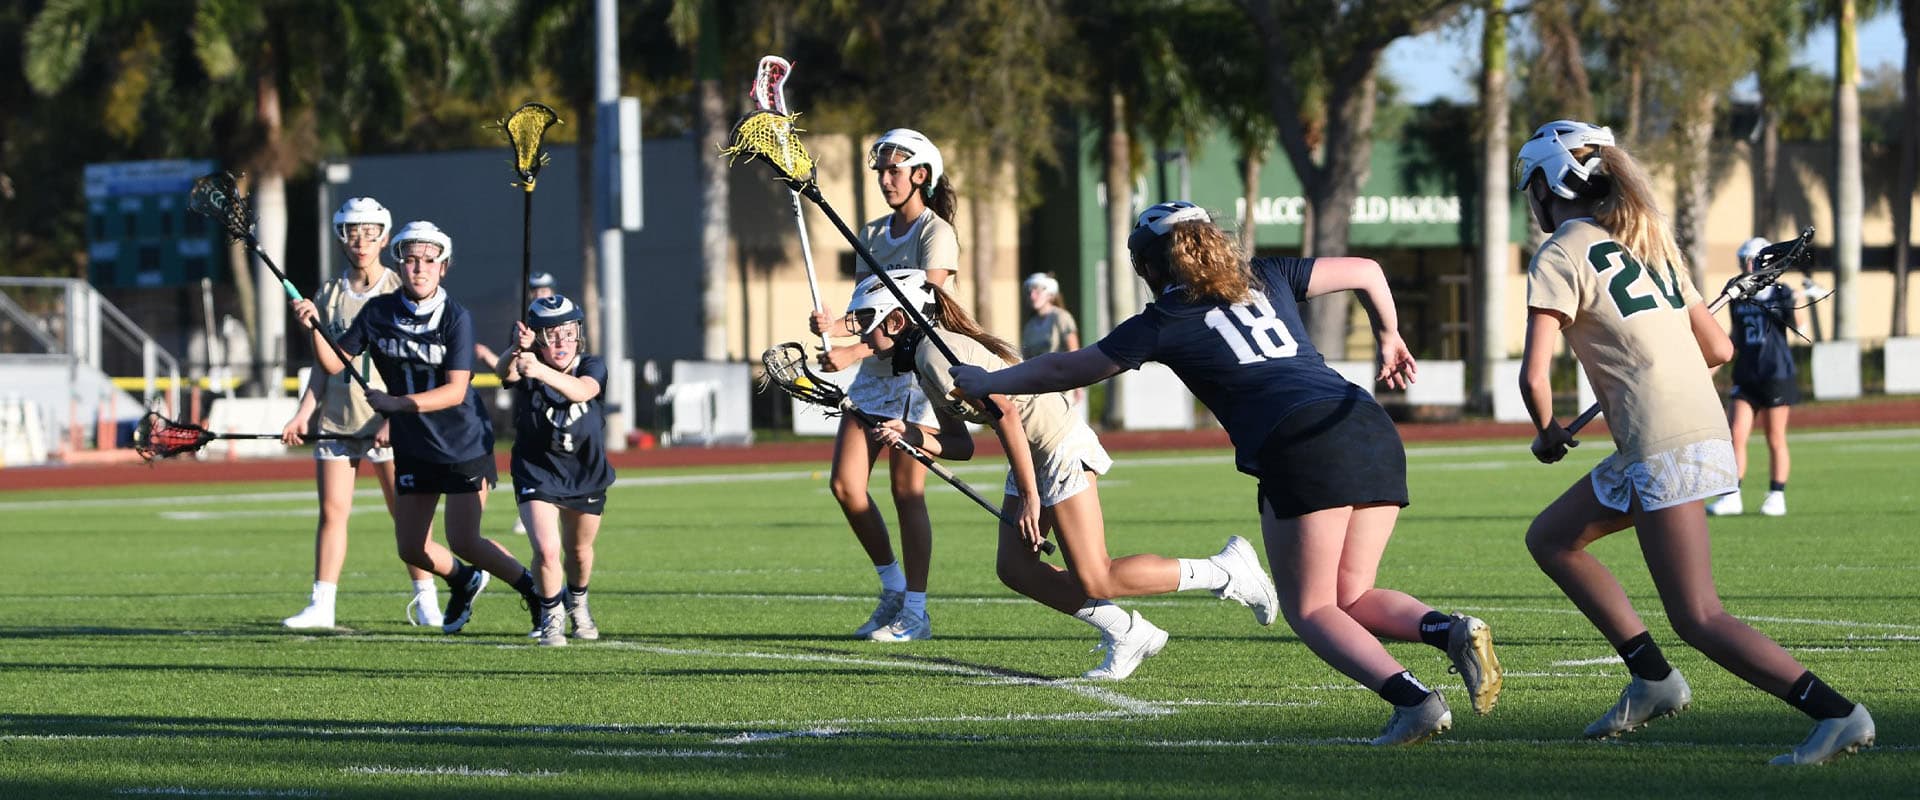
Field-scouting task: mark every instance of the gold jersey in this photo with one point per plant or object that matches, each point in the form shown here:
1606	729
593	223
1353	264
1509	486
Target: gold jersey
343	407
929	244
1628	324
1046	418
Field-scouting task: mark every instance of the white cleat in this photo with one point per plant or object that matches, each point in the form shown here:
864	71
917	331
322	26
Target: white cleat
1775	505
581	618
1727	506
909	626
1416	723
1831	739
889	607
1247	583
424	609
1470	647
553	628
1642	702
311	617
1141	641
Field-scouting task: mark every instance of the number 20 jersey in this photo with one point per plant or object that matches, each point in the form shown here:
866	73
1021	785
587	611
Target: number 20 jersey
1629	326
1250	363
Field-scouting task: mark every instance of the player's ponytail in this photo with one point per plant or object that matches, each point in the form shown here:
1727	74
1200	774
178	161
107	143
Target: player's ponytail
1207	263
948	314
1629	211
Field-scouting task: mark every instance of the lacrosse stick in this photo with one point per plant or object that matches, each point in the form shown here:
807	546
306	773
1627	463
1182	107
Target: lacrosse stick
158	437
1768	266
770	94
786	365
771	137
215	197
524	128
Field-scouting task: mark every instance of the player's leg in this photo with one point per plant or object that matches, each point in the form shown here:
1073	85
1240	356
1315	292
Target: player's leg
907	481
1466	640
542	521
424	608
1780	462
333	486
853	458
1740	415
580	528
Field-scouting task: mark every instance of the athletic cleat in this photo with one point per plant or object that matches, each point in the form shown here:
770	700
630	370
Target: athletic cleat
1247	583
890	605
1470	646
1125	651
581	618
553	628
1727	506
1642	702
460	601
1831	739
909	626
313	616
1416	723
532	605
424	609
1775	505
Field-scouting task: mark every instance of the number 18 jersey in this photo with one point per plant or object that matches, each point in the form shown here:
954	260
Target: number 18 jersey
1628	324
1250	362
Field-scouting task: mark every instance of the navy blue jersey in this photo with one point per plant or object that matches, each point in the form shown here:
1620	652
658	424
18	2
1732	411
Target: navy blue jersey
560	446
1760	338
414	353
1250	363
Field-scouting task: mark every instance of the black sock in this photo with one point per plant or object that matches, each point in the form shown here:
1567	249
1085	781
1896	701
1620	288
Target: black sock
1777	486
1436	628
461	574
524	584
573	595
1644	659
577	591
1404	690
550	603
1816	699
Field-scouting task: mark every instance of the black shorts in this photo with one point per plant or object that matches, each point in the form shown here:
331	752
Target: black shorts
425	477
594	504
1767	394
1332	454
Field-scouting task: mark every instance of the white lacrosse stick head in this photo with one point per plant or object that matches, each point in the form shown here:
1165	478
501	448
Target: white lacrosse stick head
770	84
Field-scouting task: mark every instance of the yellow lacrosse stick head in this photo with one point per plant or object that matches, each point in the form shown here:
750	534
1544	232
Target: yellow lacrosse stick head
773	138
525	127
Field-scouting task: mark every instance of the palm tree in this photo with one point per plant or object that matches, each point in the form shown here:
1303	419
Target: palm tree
1490	275
1848	187
1909	155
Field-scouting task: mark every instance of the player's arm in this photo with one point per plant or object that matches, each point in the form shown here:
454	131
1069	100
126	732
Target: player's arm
1364	277
1536	384
953	442
323	355
1053	372
1715	346
576	388
1013	439
442	397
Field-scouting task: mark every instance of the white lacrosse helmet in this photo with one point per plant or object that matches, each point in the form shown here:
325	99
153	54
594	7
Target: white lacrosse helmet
1159	219
540	280
918	149
1043	282
1752	247
873	294
361	211
1550	151
422	231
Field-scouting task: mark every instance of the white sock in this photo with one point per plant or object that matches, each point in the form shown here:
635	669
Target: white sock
1201	573
424	586
1105	616
893	578
917	601
323	593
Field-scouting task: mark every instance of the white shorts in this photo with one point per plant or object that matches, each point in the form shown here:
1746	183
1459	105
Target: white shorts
1063	473
351	450
879	392
1668	478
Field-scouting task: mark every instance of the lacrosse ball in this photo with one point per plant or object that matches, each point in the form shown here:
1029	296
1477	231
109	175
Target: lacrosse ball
802	382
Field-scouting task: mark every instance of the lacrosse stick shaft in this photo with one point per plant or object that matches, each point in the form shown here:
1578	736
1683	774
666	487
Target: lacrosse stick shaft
812	192
526	249
806	256
293	293
938	469
1726	296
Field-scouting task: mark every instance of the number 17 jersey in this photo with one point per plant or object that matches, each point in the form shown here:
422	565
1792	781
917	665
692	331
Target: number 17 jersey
1628	324
1249	362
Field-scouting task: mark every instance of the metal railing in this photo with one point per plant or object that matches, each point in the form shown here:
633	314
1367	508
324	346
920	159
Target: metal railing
70	318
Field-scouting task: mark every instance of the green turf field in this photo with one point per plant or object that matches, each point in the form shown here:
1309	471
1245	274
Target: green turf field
140	653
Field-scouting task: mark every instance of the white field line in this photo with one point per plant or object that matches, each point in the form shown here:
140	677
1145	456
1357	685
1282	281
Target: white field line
1585	662
676	753
453	771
